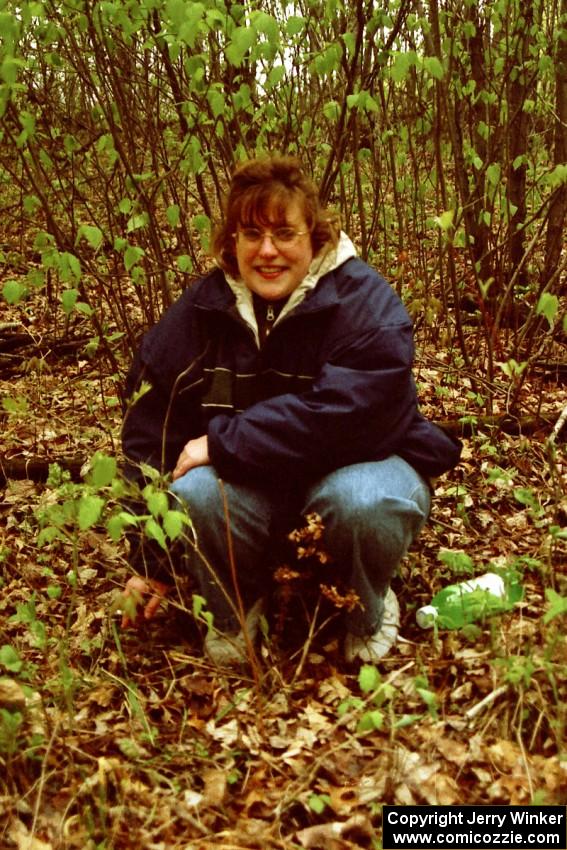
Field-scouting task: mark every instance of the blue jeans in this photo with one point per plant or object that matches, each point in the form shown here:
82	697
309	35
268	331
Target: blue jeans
371	513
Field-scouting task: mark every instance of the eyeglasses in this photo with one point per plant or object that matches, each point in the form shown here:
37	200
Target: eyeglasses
281	236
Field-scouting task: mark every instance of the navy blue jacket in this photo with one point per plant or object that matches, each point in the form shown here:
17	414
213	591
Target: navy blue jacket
331	386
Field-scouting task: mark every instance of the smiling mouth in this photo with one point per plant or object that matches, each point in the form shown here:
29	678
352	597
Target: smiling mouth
270	271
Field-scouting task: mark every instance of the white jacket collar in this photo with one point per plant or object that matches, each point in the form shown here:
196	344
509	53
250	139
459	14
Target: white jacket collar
321	265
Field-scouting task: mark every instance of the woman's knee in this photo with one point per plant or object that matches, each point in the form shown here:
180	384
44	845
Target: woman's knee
199	490
365	498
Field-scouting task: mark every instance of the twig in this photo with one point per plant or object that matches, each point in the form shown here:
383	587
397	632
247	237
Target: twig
526	763
42	779
307	643
556	475
252	657
558	425
488	699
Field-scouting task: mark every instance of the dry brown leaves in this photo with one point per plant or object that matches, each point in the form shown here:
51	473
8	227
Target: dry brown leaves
125	740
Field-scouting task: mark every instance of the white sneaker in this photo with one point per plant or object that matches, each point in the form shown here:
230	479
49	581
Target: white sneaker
371	648
230	650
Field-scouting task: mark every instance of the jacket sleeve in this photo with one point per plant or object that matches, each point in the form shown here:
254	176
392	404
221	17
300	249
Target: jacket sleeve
160	412
145	425
360	405
143	419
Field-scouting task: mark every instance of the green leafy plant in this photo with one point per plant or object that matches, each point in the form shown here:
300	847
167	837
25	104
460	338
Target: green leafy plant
556	605
374	709
11	740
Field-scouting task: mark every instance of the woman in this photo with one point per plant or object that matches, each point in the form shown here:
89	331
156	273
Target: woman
286	374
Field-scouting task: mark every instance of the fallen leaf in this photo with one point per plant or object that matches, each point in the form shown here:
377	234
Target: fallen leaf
215	786
454	751
227	733
21	837
335	835
441	790
12	695
505	755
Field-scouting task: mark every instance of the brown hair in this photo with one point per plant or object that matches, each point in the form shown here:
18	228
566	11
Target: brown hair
260	193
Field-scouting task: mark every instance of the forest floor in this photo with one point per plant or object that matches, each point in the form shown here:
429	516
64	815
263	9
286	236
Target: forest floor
130	739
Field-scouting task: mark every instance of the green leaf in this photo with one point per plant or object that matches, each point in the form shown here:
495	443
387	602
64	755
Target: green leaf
38	630
201	222
558	176
70	143
185	263
557	605
329	60
194	160
70	267
125	206
90	509
84	308
92	234
191	26
295	25
216	102
137	221
493	173
458	562
243	38
266	24
129	748
318	803
368	678
10	659
370	721
157	502
14	291
445	220
9	69
434	67
155	532
513	369
275	76
48	535
242	97
407	720
362	100
349	42
173	214
174	523
132	255
103	471
430	700
175	12
199	606
118	522
31	204
402	64
332	110
548	306
68	300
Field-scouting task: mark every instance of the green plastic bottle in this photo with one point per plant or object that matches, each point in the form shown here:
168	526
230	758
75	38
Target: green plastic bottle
469	601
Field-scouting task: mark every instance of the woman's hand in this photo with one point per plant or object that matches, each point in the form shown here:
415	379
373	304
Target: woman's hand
136	589
195	453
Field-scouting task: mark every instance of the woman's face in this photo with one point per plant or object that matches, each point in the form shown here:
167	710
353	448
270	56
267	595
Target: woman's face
273	262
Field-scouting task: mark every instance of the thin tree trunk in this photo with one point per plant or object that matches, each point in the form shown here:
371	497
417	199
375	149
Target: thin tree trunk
518	132
558	207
